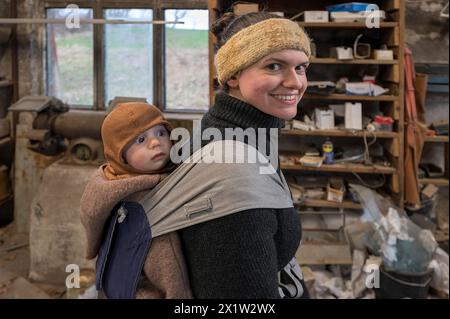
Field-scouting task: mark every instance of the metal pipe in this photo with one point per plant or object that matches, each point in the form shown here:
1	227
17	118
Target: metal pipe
78	123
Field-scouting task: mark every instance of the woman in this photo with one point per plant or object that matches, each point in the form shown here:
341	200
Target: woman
261	64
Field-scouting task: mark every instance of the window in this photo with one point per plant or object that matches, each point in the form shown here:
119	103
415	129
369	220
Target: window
70	60
166	64
186	57
129	55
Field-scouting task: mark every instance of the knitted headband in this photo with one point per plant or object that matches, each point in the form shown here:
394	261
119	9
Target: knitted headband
253	43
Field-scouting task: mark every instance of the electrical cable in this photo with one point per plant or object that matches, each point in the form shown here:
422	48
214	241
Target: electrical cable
368	161
375	186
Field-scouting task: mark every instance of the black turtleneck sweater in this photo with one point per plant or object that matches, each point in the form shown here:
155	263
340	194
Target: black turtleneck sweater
239	256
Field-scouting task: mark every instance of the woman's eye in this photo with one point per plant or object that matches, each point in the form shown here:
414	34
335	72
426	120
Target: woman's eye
301	69
140	139
274	67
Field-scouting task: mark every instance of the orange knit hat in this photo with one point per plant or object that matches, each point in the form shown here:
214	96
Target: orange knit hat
125	122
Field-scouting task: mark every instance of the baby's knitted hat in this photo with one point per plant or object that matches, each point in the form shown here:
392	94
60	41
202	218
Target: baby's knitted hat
123	124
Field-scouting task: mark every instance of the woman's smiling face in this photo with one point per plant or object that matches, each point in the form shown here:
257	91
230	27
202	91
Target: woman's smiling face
275	84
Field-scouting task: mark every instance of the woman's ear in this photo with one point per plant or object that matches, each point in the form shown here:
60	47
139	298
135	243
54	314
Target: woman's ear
233	82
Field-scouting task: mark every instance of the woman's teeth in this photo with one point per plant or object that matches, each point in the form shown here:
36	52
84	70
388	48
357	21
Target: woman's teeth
286	98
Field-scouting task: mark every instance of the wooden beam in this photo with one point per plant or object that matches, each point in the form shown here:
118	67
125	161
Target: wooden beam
340	133
84	21
324	254
342	168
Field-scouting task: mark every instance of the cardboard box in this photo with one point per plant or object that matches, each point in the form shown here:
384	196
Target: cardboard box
299	125
430	191
353	116
311	161
243	8
336	190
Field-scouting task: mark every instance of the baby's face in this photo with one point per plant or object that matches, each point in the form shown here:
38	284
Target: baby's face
150	151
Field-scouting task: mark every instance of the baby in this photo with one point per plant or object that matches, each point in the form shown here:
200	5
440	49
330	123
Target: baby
136	140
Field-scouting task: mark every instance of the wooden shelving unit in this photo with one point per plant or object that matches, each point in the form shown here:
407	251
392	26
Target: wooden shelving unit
391	32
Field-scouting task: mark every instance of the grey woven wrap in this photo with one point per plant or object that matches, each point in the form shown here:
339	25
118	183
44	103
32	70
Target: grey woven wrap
198	190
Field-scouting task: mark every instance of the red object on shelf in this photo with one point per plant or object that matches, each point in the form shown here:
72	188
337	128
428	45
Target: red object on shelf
431	133
384	120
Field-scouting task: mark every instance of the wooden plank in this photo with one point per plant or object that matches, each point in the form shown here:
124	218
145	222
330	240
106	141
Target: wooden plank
5	141
392	5
343	97
346	25
435	181
339	133
392	74
394	183
341	168
159	72
446	161
320	203
392	38
99	66
82	21
401	93
212	11
363	61
393	147
324	254
436	139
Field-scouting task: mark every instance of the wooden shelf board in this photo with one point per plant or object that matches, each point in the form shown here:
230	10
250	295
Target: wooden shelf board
341	168
346	204
338	133
356	25
355	61
435	181
436	139
5	141
343	97
324	254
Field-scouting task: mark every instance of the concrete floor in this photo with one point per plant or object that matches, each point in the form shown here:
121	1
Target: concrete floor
15	259
14	267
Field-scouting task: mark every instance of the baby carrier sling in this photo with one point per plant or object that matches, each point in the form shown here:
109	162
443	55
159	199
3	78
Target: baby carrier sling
204	187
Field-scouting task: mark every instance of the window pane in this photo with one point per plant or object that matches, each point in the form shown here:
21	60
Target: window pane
128	55
187	66
70	59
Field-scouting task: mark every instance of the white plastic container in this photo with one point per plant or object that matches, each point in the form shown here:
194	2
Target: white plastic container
353	116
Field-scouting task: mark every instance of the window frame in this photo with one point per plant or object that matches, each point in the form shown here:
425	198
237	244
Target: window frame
98	7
